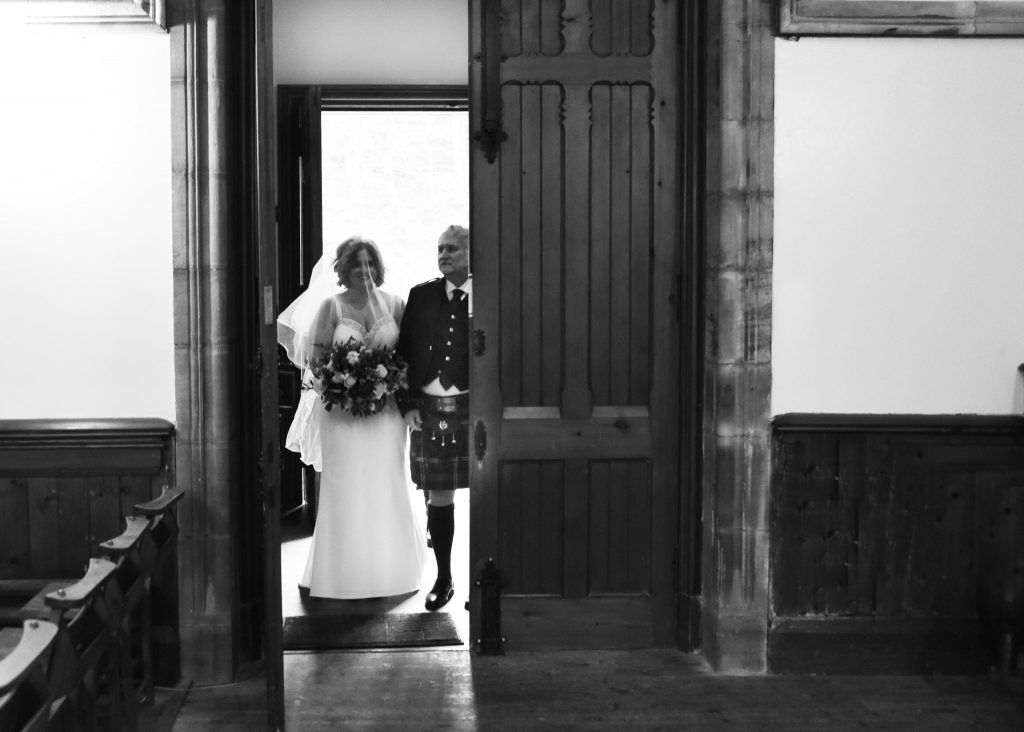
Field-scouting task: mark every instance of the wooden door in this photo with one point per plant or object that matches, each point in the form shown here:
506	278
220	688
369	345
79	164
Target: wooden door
575	376
299	247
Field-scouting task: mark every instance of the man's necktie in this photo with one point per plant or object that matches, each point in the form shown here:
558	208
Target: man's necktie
458	294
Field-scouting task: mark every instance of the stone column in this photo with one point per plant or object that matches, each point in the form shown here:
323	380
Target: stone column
738	301
206	345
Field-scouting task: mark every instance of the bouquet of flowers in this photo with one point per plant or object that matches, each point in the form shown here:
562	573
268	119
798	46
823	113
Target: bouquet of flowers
358	379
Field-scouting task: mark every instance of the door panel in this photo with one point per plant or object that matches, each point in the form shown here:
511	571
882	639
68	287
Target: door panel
299	229
575	262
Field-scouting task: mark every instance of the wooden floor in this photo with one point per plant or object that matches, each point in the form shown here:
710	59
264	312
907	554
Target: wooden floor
576	690
452	689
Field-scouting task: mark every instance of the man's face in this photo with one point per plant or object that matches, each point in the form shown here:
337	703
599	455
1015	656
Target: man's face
453	258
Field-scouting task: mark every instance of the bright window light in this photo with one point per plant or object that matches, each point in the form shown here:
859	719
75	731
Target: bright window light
399	178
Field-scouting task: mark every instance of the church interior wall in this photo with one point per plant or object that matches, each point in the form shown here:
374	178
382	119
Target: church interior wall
897	227
896	495
85	224
368	42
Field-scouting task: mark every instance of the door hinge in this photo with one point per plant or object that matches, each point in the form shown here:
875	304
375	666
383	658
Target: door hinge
479	342
490	135
488	598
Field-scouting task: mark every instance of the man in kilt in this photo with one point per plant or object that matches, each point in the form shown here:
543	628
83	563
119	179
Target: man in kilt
434	340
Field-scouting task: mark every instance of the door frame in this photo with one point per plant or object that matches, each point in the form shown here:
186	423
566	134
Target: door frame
691	305
690	294
286	196
704	109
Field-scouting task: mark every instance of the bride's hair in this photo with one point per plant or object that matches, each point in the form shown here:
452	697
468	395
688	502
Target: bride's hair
345	259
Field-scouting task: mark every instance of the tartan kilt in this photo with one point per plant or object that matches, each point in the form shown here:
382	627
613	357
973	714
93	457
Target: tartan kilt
439	461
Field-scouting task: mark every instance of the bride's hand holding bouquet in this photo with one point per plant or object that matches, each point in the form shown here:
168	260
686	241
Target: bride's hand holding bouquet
358	379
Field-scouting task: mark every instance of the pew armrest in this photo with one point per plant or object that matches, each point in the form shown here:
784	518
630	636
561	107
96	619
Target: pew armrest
128	539
167	498
78	594
35	641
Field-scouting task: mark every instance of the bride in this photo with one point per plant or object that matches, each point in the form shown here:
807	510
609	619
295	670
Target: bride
367	540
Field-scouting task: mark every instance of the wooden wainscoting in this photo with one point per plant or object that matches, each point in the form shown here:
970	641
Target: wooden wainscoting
893	538
67	484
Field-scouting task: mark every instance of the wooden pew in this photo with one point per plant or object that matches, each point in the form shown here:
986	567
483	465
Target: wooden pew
84	665
141	552
26	700
133	553
81	668
145	554
143	577
162	664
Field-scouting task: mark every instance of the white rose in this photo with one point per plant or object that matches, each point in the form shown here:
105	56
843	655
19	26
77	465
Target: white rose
381	370
353	357
350	381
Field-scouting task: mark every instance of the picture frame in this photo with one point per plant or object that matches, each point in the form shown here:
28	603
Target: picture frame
54	12
939	18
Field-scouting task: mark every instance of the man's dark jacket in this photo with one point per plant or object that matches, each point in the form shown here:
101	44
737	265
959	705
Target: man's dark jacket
433	342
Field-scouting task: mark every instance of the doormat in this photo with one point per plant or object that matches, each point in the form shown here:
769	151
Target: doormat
389	630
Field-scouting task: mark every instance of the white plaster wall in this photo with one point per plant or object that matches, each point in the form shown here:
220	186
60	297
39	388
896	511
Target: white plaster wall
371	41
899	226
85	225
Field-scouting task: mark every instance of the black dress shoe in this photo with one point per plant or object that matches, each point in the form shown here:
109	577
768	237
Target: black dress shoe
439	594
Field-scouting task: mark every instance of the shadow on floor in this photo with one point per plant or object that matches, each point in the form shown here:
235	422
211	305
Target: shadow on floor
648	689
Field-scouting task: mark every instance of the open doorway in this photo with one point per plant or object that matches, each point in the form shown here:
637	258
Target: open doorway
389	164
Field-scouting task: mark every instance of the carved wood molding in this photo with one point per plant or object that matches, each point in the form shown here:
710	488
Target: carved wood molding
78	447
900	18
388	97
47	433
918	423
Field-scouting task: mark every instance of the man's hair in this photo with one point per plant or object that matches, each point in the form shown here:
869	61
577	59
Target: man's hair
460	233
345	259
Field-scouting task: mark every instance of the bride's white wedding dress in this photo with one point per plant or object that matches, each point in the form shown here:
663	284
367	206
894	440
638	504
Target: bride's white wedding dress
368	540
